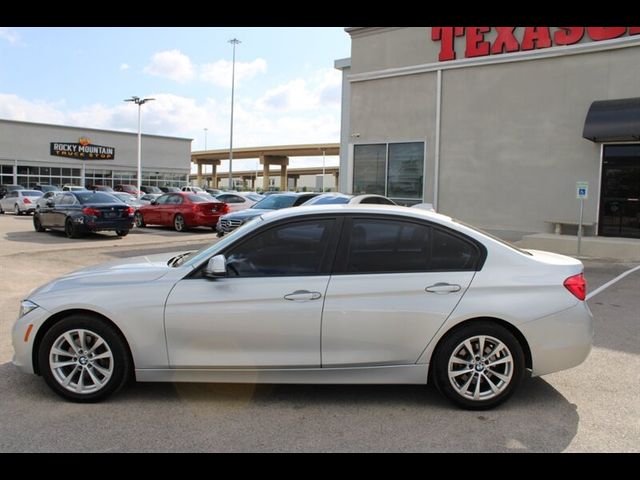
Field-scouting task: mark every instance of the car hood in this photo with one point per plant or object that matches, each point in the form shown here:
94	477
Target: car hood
246	213
123	272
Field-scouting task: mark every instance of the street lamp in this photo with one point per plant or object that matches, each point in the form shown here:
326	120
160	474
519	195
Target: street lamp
234	42
139	101
205	137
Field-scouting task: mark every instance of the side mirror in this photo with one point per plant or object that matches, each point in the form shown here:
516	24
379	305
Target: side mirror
50	203
216	267
154	202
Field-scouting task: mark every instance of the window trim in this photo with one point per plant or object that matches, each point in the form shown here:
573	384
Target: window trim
326	264
342	251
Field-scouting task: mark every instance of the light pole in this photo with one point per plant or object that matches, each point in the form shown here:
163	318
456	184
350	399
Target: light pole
205	137
234	42
139	101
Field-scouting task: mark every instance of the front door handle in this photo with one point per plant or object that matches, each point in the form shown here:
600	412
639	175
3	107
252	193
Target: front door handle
443	288
301	295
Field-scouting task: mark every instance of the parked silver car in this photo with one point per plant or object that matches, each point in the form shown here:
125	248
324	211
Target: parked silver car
20	201
331	294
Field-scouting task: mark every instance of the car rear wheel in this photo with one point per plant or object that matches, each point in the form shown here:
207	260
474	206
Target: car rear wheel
122	233
139	220
83	359
178	223
70	229
478	366
37	225
16	210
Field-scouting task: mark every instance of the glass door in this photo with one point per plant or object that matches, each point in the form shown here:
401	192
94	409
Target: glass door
620	193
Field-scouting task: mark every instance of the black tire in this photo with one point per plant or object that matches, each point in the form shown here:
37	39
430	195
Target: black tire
179	223
482	371
16	210
70	229
139	220
37	224
122	233
119	364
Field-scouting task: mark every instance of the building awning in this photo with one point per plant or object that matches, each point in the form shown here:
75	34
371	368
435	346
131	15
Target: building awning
613	120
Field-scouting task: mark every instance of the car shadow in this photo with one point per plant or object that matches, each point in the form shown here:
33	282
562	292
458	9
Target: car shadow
291	417
57	237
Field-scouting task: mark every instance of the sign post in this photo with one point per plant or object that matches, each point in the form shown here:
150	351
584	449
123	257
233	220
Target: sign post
582	193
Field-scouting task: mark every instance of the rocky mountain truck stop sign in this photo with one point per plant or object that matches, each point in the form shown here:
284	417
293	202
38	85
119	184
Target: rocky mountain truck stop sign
83	150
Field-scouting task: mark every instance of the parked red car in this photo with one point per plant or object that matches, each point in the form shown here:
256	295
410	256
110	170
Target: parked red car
126	188
182	211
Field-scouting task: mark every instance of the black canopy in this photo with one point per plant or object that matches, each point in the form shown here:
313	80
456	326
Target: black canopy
613	120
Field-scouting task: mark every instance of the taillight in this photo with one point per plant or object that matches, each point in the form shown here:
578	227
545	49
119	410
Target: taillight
224	208
93	212
577	285
131	211
25	200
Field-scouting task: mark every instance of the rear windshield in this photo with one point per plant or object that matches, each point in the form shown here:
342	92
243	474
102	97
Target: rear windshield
95	197
276	202
30	193
201	198
493	237
328	200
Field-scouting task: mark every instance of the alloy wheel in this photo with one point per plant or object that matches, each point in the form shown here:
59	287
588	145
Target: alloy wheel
480	368
81	361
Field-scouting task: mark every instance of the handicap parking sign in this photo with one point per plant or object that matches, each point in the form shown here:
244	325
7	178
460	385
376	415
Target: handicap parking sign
582	190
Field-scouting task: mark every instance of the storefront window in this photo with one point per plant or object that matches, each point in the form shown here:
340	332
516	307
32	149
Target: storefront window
395	170
404	177
369	167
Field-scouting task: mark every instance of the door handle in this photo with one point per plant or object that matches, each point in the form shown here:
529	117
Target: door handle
442	288
300	295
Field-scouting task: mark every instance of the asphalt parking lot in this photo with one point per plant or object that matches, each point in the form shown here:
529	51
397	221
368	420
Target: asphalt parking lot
592	408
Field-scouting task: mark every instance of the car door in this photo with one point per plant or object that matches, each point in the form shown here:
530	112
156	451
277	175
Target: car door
61	209
174	205
395	283
152	212
266	312
8	201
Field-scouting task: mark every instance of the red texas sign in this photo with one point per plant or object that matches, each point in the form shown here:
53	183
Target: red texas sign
506	41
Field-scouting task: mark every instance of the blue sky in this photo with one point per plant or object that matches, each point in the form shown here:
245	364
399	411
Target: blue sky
287	90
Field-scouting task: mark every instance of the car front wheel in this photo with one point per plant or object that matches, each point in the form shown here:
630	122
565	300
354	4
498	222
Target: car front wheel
479	366
37	224
139	220
179	224
83	359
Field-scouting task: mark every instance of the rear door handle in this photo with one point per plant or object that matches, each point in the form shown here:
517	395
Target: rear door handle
301	295
443	288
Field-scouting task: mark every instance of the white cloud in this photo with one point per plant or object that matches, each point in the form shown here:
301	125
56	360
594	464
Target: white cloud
9	35
321	90
172	64
124	66
219	73
13	107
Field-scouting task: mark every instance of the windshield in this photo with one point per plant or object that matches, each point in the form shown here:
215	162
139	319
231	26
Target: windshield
276	202
254	197
493	237
95	197
194	258
328	200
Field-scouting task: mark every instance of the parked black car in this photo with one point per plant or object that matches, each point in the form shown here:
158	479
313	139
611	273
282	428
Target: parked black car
170	189
80	212
46	188
231	221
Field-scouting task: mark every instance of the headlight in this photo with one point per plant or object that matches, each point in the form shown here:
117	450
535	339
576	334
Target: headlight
26	306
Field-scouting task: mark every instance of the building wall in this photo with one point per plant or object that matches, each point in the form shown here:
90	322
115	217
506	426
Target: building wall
511	146
25	141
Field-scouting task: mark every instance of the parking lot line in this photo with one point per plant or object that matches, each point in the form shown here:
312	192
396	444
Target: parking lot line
611	282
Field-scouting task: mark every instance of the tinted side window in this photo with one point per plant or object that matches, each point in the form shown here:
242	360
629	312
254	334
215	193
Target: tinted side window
162	199
287	250
450	252
379	246
67	200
